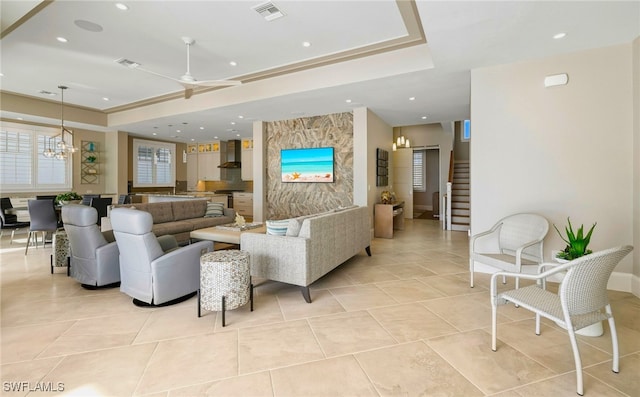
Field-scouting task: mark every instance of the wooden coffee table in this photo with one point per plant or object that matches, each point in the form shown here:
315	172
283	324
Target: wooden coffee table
220	235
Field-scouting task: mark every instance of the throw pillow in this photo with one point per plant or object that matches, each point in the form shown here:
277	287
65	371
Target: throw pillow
214	209
277	228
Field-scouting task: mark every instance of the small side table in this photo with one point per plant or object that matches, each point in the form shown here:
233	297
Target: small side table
61	251
225	281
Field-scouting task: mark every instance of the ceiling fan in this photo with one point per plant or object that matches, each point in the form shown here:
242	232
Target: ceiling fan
186	80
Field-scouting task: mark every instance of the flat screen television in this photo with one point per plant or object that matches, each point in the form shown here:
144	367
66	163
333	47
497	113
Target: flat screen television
307	165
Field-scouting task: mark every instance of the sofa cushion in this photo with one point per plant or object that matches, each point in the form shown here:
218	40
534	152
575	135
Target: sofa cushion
214	209
160	229
277	228
188	209
161	212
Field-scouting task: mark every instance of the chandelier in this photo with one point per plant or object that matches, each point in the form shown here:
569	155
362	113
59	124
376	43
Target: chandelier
401	141
62	147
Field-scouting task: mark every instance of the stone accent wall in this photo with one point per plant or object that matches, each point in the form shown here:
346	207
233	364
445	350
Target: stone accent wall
286	200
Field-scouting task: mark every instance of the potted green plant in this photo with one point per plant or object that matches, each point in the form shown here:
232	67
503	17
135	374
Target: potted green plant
91	159
577	243
68	198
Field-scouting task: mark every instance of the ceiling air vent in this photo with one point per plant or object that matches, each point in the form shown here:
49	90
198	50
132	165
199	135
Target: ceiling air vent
128	63
268	11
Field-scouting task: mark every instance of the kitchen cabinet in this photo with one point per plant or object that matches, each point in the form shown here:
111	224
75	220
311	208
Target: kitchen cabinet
192	170
208	160
243	203
207	171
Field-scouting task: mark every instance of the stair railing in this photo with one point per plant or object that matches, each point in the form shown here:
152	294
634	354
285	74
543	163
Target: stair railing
447	205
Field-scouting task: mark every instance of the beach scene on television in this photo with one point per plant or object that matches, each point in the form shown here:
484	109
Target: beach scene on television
307	165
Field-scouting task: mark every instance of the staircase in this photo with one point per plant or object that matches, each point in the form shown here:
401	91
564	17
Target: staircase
460	203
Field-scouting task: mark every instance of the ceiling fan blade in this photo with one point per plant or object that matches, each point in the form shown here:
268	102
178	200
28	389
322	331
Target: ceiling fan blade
216	83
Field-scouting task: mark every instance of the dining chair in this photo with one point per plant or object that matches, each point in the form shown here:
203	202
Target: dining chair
101	204
86	198
9	221
43	219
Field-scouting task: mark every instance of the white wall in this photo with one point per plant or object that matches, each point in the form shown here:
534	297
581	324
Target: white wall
560	151
369	133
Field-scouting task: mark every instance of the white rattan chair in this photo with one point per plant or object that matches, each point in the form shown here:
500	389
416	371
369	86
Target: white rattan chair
581	297
517	241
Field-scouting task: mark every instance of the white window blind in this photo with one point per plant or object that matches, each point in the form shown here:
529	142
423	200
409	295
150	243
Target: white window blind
154	163
16	151
50	170
23	168
418	171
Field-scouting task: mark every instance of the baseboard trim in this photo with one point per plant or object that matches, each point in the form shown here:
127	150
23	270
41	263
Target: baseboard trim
624	282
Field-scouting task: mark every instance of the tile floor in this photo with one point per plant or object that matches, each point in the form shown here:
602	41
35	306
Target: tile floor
403	322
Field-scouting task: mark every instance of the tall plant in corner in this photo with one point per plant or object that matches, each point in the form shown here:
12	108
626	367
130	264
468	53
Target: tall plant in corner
577	243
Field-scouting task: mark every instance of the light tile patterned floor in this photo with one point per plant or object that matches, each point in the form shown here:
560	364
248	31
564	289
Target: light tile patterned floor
403	322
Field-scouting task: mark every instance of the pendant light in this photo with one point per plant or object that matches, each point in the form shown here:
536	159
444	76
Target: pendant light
48	152
62	145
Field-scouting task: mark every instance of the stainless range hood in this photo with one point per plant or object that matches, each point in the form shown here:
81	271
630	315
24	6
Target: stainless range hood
233	155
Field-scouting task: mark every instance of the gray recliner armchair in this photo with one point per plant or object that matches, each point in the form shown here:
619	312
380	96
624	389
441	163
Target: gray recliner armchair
148	274
94	260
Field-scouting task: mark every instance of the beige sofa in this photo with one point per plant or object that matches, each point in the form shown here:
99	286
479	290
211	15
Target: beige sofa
324	241
179	218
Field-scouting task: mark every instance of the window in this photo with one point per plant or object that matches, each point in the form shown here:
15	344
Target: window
466	130
23	167
153	163
419	184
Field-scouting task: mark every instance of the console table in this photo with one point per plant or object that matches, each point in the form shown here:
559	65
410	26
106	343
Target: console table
388	217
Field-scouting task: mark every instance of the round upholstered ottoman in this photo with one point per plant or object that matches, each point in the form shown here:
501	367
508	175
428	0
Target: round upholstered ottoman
225	281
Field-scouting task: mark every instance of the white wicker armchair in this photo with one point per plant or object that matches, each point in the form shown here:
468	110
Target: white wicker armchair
519	242
581	297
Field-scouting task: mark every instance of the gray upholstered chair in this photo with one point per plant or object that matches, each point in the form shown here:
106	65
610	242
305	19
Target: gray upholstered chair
43	218
148	274
94	260
581	300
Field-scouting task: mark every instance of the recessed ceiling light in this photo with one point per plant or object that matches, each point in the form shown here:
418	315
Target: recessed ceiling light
215	137
348	101
241	117
233	123
560	35
61	39
192	139
122	7
105	99
424	117
412	98
178	131
202	128
233	63
1	74
306	44
237	134
20	118
155	133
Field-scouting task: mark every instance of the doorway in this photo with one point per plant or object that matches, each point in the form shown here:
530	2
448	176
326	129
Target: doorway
426	183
